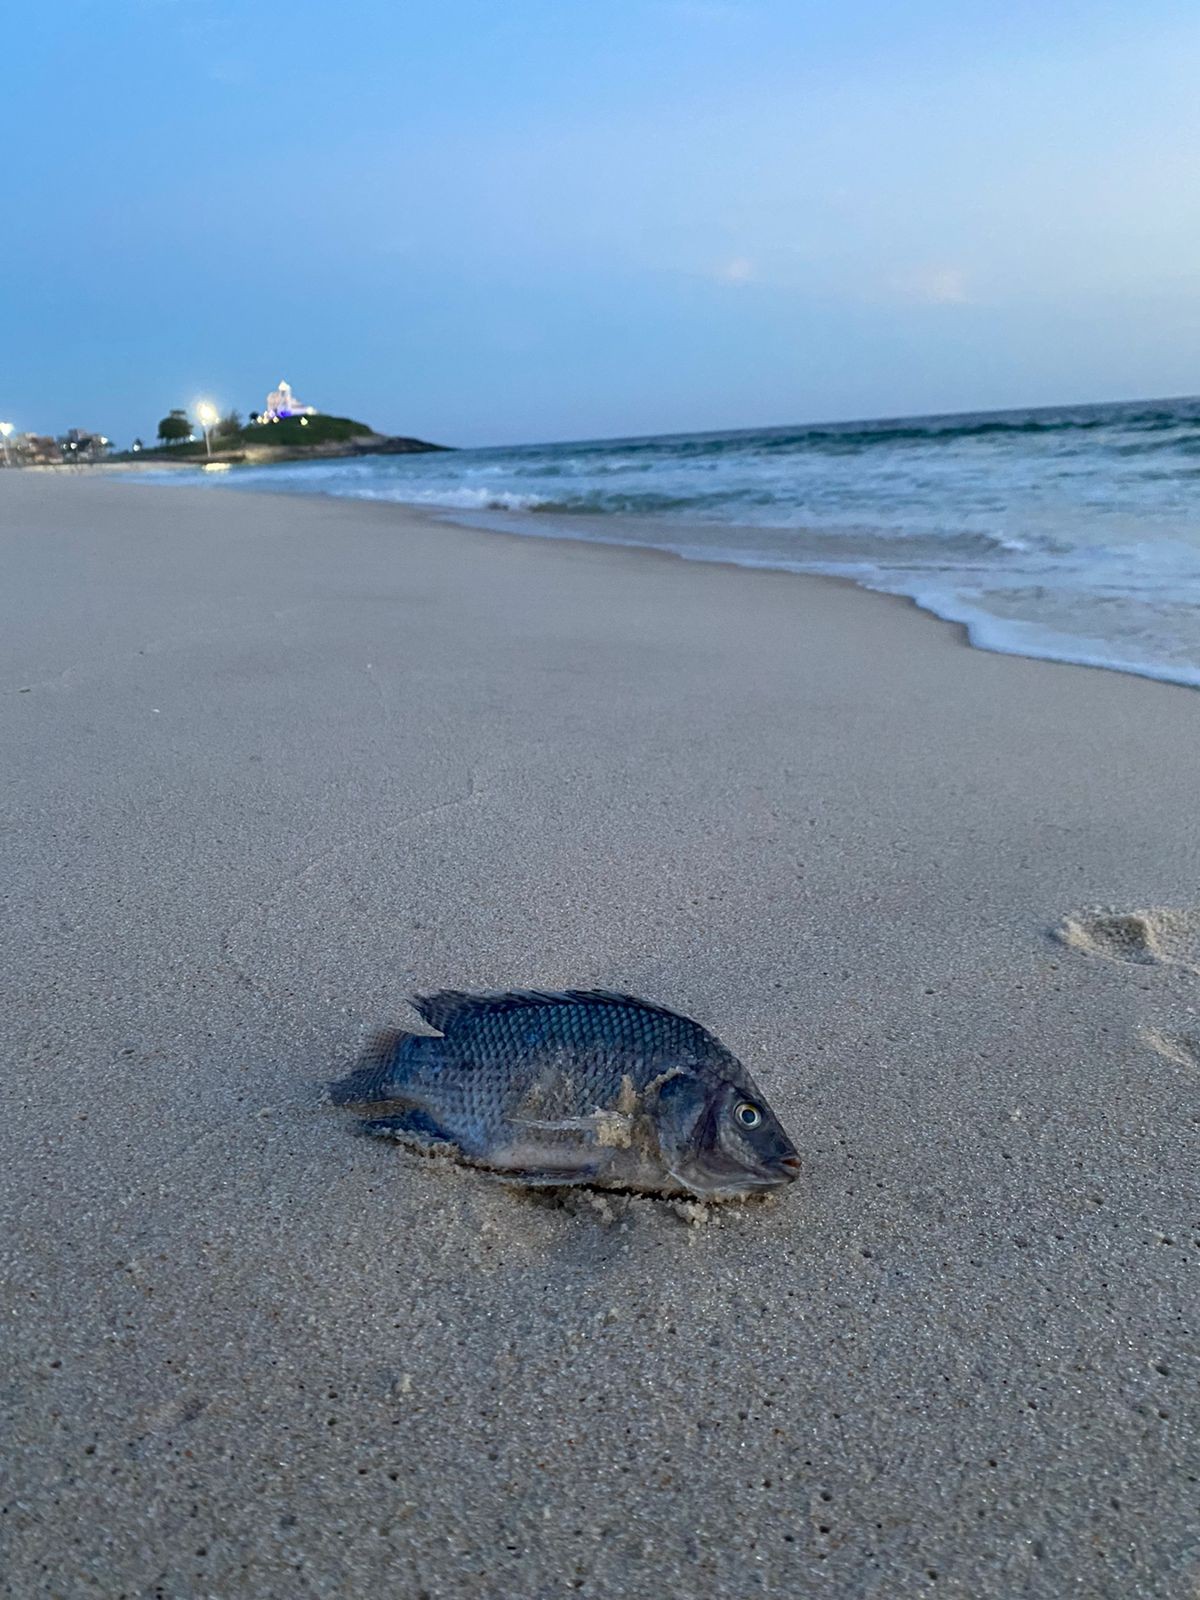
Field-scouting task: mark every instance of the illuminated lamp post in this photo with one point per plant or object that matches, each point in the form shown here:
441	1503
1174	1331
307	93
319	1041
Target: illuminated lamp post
206	412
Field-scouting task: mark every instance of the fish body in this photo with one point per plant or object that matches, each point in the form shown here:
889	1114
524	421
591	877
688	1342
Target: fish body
581	1086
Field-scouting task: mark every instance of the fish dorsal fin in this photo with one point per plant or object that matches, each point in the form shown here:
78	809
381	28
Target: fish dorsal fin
443	1010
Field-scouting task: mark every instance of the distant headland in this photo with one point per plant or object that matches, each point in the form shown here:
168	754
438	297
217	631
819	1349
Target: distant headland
284	429
284	439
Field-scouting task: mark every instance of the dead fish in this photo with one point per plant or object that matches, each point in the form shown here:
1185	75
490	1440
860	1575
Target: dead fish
578	1087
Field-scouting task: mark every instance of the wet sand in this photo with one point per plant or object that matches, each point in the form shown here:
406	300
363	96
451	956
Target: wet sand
272	764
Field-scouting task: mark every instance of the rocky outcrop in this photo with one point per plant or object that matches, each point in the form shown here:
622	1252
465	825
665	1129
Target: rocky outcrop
365	444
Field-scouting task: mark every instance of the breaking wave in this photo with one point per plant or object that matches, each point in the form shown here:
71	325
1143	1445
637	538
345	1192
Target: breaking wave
1071	534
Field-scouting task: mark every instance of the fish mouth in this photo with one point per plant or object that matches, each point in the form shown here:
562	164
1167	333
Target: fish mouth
705	1179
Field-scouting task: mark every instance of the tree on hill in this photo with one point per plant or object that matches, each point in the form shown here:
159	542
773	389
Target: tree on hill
229	426
174	426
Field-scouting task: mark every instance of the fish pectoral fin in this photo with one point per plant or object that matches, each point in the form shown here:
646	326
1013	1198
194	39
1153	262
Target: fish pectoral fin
412	1126
543	1161
609	1128
533	1178
560	1125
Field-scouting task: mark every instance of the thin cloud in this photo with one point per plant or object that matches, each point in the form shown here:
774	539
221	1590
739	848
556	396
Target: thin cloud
739	270
934	286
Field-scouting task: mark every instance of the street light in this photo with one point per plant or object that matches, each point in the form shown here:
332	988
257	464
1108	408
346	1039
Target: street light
207	414
6	428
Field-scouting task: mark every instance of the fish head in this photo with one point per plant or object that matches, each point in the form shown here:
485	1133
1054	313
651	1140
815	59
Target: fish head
718	1139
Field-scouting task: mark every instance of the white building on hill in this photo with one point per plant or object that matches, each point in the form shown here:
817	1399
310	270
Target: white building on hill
282	403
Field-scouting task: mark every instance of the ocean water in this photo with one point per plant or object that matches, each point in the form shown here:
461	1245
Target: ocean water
1071	533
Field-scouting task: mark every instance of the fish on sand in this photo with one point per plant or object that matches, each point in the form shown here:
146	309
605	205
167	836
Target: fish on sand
577	1087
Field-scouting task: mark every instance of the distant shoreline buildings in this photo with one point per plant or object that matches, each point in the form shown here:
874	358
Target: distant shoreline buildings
41	450
80	445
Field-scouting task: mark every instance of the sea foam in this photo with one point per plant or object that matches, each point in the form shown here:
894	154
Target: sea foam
1069	534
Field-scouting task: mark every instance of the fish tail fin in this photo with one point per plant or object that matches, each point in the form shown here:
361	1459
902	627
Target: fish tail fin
380	1071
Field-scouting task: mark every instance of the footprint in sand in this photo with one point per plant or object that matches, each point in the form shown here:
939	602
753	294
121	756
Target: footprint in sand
1155	937
1181	1048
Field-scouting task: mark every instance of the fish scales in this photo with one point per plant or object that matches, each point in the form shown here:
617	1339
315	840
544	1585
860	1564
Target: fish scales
576	1086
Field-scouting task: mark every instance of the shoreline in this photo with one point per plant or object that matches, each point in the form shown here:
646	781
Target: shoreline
979	630
277	763
435	517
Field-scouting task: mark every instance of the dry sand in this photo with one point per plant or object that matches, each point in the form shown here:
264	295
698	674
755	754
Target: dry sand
269	766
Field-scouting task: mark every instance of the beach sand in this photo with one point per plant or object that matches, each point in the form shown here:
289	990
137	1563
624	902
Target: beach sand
271	765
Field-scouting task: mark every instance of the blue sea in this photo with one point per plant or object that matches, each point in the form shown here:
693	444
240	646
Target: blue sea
1071	533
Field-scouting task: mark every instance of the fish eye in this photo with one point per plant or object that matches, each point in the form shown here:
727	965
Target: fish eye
748	1115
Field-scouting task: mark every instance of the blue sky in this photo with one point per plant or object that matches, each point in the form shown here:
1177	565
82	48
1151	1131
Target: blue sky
537	219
